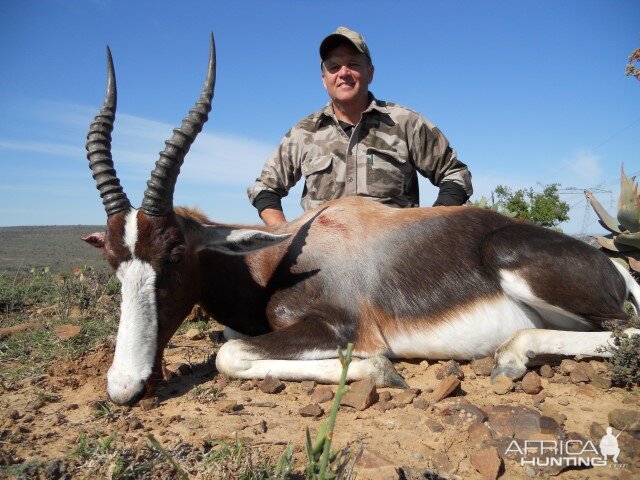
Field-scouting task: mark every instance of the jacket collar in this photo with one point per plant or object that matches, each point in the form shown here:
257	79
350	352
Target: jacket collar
374	104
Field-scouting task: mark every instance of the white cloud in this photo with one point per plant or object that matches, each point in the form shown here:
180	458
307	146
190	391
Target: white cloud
43	147
213	158
584	167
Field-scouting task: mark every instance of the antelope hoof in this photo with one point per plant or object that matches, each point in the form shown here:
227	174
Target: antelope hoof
509	367
384	373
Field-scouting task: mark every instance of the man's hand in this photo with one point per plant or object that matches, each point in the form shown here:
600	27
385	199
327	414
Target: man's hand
272	217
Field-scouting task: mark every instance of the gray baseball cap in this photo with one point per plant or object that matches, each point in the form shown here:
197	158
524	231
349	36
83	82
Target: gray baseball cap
342	35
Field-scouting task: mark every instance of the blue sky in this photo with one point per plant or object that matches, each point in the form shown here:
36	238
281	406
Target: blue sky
527	93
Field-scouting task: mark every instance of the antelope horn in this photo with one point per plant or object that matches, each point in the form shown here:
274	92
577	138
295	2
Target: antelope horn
158	197
99	149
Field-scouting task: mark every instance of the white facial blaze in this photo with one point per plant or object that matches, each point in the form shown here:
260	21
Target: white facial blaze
137	339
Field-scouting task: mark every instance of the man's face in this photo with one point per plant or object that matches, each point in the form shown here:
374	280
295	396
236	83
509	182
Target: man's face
346	74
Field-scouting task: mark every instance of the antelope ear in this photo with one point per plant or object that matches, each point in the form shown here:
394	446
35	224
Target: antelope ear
239	241
96	240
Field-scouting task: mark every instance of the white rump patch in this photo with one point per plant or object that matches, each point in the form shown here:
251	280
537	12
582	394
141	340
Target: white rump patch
518	288
463	334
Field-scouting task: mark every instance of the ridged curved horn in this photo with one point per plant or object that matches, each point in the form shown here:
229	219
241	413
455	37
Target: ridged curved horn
99	148
158	197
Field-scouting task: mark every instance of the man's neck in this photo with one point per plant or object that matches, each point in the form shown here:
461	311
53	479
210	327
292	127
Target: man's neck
350	112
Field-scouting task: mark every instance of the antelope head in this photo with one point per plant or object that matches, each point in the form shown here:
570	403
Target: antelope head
148	248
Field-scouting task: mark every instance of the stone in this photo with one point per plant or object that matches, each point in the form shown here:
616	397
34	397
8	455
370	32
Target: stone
312	410
379	473
435	427
598	366
405	397
66	332
482	366
487	462
408	418
567	366
478	433
321	395
563	401
384	396
221	382
49	311
442	463
194	334
308	386
625	419
420	403
502	385
539	398
531	383
546	371
449	385
587	390
134	423
580	373
600	380
52	470
149	403
12	414
448	368
271	384
361	395
548	411
457	411
178	369
372	459
520	422
228	406
384	406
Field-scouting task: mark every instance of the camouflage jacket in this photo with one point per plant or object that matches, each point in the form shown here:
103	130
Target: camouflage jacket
379	161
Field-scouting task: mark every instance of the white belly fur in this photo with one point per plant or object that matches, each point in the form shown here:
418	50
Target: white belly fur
464	334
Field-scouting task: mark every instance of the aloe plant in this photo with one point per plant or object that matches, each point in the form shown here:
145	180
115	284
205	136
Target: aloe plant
623	241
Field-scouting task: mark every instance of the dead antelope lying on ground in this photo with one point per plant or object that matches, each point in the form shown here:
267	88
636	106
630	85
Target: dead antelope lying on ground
446	282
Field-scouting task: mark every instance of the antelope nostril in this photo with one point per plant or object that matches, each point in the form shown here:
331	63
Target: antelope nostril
136	398
129	396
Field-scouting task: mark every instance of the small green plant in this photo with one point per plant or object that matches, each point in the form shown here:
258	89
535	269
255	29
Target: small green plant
27	469
623	242
179	470
321	462
235	460
20	290
624	363
44	300
205	394
88	447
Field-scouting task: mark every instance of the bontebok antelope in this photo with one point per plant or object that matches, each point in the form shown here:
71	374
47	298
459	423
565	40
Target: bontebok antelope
445	282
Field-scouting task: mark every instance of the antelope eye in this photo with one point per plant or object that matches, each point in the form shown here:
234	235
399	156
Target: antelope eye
176	255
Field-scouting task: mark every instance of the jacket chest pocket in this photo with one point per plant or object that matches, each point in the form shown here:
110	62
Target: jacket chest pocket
386	173
319	173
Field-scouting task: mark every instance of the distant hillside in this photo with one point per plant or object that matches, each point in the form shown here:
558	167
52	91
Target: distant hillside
56	247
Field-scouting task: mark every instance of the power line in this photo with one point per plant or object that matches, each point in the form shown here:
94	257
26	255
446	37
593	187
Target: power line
618	133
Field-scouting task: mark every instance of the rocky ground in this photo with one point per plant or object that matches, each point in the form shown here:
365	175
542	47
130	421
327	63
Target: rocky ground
451	423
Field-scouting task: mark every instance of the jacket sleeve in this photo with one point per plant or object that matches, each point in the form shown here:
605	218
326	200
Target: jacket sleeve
434	158
281	171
